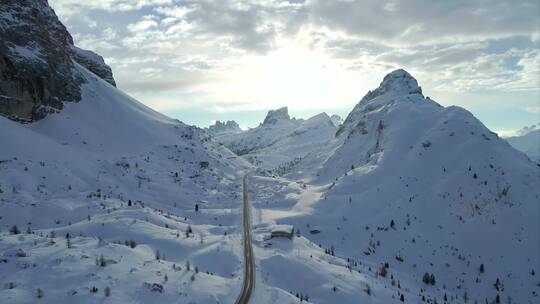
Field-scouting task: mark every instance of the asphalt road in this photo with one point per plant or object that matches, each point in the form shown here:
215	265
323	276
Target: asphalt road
249	276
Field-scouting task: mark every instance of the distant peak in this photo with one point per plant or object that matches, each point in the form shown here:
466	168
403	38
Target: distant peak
398	73
228	123
275	115
526	130
222	127
336	120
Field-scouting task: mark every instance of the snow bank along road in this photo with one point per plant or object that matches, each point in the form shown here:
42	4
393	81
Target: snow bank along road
249	277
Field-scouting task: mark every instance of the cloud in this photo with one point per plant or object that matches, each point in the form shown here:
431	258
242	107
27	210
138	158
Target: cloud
507	133
71	8
146	23
245	25
236	55
426	21
160	85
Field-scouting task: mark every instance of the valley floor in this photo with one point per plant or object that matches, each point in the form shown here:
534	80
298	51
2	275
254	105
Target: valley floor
141	254
97	264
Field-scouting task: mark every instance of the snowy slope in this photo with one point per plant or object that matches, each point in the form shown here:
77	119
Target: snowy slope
108	128
280	142
527	142
108	169
424	188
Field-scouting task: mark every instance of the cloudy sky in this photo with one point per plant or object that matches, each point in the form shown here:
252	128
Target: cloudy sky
206	60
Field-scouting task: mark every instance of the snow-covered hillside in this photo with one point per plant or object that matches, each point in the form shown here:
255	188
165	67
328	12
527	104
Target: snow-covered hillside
527	141
108	169
101	198
280	142
420	188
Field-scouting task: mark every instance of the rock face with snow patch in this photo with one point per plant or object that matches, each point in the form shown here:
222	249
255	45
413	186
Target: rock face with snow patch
36	61
274	116
336	120
94	63
398	85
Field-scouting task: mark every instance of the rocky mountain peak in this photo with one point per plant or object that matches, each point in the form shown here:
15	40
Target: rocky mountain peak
274	116
224	127
336	120
398	82
397	86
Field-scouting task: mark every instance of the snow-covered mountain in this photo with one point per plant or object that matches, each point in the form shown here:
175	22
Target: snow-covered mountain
423	189
280	142
277	116
527	141
108	171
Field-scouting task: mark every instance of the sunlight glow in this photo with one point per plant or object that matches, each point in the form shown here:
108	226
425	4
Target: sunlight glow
292	75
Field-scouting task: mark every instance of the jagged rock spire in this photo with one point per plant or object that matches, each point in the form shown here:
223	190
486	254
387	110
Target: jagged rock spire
274	115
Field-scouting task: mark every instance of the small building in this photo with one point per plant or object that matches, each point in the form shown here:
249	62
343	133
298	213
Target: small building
282	231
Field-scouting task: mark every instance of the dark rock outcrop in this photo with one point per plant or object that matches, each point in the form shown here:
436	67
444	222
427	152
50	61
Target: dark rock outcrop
94	63
37	70
274	116
224	127
336	120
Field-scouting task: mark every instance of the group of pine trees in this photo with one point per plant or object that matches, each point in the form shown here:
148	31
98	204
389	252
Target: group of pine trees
428	279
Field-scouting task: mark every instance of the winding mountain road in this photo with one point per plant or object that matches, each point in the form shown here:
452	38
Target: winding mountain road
249	276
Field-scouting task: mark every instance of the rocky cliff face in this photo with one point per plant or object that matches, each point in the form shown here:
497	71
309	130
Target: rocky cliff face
274	116
219	127
94	63
397	86
336	120
37	61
